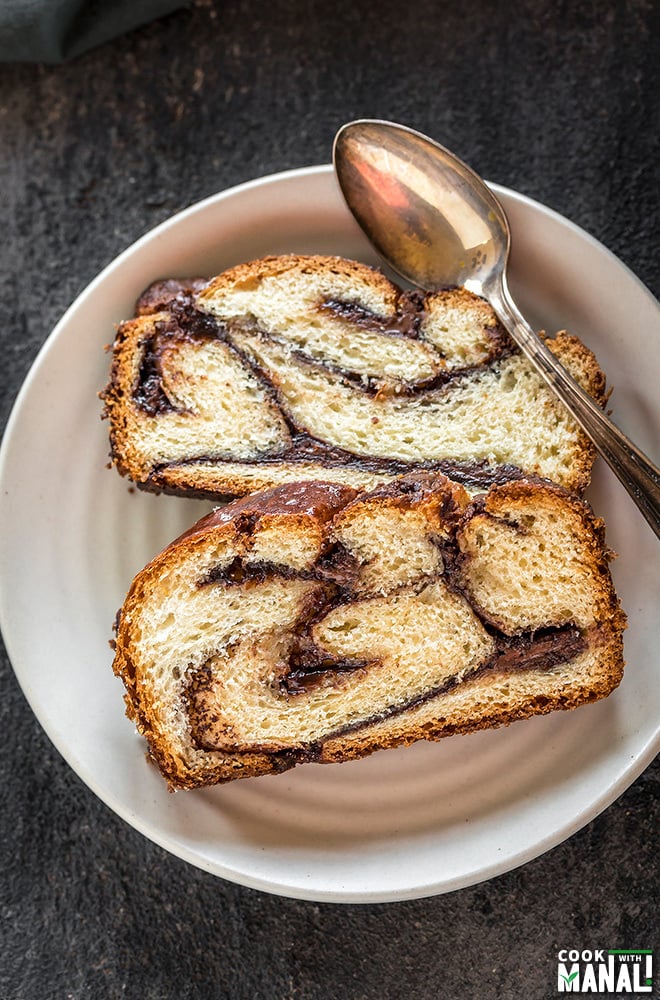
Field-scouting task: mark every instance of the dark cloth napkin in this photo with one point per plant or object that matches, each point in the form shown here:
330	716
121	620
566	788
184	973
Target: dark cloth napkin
54	30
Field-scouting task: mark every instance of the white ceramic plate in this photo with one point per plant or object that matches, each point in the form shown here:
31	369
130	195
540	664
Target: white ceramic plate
397	825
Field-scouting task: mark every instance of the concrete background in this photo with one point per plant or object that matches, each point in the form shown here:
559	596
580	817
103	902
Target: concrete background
557	100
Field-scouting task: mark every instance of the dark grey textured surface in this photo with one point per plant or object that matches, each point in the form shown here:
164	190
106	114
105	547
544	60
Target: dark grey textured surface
556	100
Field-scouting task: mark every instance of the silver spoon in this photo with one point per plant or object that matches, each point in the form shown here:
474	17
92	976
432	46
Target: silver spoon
437	224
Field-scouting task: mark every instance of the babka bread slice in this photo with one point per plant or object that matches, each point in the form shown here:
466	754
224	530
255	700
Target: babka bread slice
291	368
314	623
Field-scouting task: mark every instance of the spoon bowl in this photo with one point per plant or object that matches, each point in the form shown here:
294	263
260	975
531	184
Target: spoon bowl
426	212
437	224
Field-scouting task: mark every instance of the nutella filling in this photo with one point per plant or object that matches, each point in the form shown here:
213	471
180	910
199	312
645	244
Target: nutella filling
405	323
161	294
149	394
305	449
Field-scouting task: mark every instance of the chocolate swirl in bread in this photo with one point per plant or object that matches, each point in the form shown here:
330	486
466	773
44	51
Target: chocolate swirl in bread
314	623
292	368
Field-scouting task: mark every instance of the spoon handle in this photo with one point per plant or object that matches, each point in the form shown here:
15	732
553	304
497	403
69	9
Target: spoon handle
637	473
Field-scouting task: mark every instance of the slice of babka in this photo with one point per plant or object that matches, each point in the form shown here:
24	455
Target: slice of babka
292	368
314	623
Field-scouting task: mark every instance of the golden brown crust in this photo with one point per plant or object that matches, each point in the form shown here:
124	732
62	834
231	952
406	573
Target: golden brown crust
245	276
317	501
124	418
584	367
